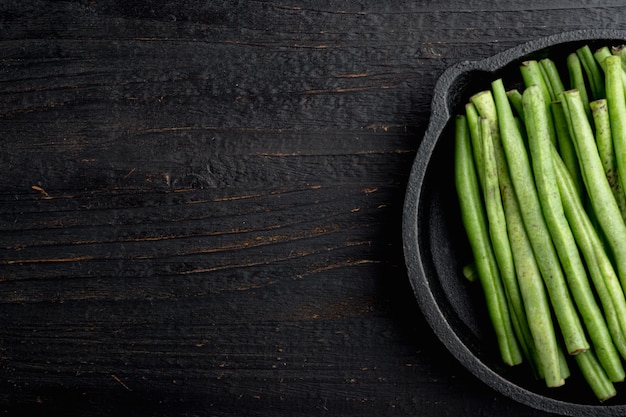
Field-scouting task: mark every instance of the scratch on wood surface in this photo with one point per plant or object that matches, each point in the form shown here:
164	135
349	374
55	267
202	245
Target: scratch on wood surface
41	190
347	90
264	240
119	381
46	195
285	7
237	197
338	265
49	260
301	46
169	129
131	172
357	75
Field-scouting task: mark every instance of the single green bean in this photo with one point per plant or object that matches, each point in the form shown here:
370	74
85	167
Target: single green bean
600	54
604	141
552	78
617	113
495	213
532	73
515	98
473	124
595	376
566	146
577	79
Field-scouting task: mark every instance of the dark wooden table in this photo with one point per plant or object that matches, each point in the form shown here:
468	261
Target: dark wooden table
200	203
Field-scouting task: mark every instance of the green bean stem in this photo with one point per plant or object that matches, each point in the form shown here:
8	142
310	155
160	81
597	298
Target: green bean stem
592	71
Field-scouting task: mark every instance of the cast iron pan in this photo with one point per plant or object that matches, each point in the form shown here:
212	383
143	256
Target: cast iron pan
435	246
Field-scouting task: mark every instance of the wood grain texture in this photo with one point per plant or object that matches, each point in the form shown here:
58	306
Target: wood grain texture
200	203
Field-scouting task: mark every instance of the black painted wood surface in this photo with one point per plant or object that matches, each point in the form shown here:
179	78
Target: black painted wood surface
200	203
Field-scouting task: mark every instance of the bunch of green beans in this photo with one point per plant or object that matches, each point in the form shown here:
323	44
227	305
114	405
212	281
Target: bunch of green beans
540	176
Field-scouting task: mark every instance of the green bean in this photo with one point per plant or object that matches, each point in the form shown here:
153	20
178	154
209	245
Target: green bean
604	141
473	124
620	51
470	272
495	211
595	376
475	223
593	72
617	113
515	98
600	55
577	80
552	78
566	146
532	73
546	180
532	215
